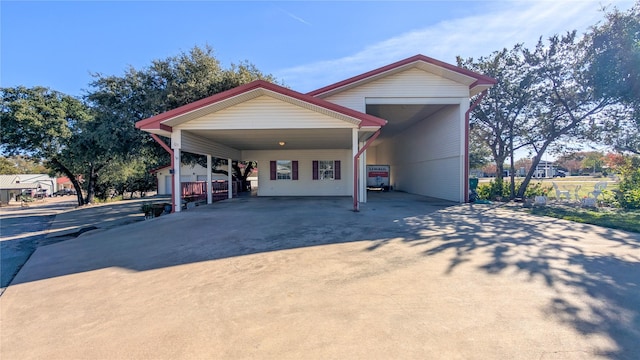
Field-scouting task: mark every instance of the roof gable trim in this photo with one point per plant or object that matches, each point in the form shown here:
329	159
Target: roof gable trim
254	89
475	79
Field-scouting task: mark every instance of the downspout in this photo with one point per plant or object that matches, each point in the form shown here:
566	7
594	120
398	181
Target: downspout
466	143
173	176
356	157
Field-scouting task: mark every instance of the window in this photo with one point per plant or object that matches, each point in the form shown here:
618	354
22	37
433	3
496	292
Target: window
283	170
326	170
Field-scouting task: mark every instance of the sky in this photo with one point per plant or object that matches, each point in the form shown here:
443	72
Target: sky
305	45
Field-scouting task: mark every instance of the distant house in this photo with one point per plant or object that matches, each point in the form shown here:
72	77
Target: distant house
45	183
11	186
545	169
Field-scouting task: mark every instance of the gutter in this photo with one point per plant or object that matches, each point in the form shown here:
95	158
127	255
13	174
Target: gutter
356	157
173	176
466	144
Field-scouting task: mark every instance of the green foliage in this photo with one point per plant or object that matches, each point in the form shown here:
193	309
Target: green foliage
500	190
628	193
536	189
7	167
45	124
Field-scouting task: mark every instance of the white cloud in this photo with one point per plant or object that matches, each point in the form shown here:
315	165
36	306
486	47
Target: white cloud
502	25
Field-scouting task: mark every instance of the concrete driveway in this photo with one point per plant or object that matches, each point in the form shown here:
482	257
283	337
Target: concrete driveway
295	278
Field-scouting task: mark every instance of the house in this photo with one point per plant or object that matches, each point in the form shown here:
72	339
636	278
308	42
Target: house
545	169
411	115
11	186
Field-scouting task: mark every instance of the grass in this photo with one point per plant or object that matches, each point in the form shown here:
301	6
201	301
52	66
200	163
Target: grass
614	219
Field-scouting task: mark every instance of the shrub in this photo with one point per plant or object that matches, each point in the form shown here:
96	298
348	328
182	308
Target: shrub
628	193
501	189
537	189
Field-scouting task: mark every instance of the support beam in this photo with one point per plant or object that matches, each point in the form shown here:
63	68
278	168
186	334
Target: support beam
230	179
173	177
177	185
209	179
356	204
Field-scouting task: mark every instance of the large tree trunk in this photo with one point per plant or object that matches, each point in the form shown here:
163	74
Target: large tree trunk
532	170
91	184
76	184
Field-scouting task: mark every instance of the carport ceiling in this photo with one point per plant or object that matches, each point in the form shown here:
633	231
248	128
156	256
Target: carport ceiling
401	117
268	139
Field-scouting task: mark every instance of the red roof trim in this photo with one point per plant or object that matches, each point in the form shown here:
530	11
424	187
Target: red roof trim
155	121
480	79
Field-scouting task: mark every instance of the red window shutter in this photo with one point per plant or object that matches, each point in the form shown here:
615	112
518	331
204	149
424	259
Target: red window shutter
336	171
294	170
273	167
315	169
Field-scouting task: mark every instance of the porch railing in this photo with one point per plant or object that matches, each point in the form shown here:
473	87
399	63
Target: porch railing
197	190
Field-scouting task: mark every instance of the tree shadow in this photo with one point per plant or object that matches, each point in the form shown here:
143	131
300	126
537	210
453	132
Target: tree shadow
594	271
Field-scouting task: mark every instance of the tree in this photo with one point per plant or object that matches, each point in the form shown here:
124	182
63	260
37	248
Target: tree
593	161
479	152
43	124
26	165
498	121
571	161
614	72
7	167
565	105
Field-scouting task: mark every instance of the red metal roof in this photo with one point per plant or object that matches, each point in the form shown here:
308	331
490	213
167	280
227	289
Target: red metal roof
155	122
480	79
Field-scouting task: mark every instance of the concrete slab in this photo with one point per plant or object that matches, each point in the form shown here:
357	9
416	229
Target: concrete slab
308	278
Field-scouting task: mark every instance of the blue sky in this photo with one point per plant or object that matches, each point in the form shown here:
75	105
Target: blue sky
306	45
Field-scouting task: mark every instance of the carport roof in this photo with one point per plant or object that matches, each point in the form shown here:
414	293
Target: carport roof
158	123
476	82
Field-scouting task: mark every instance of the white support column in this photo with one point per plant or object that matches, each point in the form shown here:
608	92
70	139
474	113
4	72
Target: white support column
176	145
363	176
177	184
209	179
230	179
354	150
363	182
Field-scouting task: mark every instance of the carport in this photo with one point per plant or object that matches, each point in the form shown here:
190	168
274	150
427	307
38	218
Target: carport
276	127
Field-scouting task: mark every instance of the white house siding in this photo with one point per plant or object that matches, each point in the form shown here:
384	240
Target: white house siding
305	185
265	112
426	158
411	83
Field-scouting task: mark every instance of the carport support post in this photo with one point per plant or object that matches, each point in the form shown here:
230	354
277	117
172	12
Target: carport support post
177	183
230	179
173	176
209	179
356	157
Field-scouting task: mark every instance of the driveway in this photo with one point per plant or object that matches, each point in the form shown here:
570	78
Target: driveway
407	277
22	230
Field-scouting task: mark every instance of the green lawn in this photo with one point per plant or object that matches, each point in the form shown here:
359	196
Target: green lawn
615	219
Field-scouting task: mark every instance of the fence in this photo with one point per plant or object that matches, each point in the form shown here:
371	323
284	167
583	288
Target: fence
197	190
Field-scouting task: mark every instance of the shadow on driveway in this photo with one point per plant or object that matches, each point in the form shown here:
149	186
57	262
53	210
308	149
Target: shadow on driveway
594	272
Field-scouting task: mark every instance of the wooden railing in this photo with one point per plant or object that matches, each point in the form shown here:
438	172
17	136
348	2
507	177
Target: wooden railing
197	190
